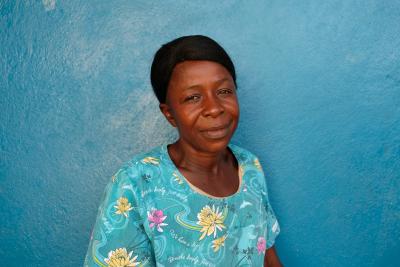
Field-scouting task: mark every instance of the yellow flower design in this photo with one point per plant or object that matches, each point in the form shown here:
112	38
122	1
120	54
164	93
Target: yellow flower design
121	258
123	206
177	178
211	220
217	243
256	163
151	160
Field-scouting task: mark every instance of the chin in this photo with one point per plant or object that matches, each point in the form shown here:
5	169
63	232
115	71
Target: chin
214	145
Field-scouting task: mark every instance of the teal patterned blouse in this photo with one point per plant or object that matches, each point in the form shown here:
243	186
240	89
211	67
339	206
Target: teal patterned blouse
152	216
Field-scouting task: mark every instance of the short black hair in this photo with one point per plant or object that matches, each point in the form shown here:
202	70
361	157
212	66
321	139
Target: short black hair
192	47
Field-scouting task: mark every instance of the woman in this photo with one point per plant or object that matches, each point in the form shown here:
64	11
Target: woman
200	201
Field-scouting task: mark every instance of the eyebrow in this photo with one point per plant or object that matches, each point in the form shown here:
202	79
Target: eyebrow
197	85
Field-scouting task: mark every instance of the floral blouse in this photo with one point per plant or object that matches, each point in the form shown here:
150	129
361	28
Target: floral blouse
152	216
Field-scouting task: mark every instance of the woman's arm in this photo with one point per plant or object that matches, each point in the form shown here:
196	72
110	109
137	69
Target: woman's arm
271	258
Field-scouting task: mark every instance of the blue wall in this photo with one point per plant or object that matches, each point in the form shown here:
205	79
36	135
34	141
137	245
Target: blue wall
319	88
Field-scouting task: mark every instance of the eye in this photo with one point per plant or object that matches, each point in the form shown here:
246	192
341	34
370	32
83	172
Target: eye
225	91
192	98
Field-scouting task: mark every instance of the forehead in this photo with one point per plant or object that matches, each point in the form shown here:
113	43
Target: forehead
198	72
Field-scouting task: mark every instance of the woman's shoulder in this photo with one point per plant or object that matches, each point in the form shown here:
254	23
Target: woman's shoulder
151	156
243	155
248	162
133	167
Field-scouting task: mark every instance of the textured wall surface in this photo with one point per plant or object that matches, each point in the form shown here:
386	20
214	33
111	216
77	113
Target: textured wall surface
319	88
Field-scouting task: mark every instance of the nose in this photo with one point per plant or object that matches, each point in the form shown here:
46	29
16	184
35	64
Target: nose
212	107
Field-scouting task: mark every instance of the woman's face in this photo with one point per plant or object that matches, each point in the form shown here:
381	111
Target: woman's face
202	103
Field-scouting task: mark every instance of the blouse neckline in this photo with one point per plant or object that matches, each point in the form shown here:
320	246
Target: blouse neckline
197	190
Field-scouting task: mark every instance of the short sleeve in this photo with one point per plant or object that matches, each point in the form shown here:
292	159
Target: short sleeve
272	224
118	237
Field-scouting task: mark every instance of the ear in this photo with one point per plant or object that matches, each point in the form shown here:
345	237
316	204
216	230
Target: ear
166	110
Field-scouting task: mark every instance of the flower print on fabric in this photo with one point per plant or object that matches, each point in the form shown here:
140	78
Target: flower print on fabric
211	220
151	160
150	210
177	178
123	206
256	163
156	219
261	245
217	243
121	258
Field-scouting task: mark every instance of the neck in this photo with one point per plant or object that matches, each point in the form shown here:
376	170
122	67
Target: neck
191	159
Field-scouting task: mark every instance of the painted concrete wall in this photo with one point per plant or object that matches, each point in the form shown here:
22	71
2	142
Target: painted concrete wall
319	88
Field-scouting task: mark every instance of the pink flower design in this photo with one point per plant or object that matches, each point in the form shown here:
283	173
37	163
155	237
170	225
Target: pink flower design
157	218
261	245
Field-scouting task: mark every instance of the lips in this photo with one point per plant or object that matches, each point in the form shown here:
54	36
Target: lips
217	132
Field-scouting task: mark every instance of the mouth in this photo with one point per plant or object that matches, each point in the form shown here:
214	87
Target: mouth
217	132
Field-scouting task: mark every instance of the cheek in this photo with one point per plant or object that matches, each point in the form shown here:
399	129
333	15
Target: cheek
186	118
233	108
